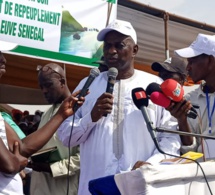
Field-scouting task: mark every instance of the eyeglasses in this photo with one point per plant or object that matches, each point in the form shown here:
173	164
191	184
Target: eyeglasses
46	69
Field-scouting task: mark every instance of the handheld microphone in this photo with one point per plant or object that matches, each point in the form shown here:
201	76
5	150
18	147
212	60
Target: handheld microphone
112	74
170	88
141	101
94	72
153	87
160	99
173	90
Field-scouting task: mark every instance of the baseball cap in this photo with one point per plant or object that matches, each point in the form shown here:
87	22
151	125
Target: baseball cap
174	64
120	26
204	44
6	46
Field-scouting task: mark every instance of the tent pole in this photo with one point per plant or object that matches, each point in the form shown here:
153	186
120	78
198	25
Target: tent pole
166	34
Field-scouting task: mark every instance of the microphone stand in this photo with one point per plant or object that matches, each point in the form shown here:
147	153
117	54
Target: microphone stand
183	133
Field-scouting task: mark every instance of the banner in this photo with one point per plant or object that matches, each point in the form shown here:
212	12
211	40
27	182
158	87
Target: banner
62	30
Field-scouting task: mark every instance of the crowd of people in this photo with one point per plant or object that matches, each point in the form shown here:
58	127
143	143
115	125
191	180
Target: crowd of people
108	129
27	122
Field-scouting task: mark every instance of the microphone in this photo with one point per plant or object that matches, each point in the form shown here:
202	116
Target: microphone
172	90
175	92
141	101
94	72
112	74
160	99
152	87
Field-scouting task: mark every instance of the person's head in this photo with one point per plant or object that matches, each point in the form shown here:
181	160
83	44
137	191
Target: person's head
38	112
172	68
4	46
52	82
120	46
17	115
201	58
26	113
102	65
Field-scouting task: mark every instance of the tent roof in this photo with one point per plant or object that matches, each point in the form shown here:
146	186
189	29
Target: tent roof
150	26
19	84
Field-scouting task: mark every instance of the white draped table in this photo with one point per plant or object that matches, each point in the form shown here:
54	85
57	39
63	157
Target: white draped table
174	179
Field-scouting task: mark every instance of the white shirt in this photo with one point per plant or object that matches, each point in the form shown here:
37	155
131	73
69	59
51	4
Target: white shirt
200	125
116	142
10	184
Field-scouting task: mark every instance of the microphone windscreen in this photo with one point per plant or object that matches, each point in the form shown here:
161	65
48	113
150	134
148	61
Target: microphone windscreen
172	89
152	87
112	72
139	97
160	99
94	72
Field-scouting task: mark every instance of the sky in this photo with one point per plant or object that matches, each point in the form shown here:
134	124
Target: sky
199	10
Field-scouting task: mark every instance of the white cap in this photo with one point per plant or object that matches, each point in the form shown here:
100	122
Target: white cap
120	26
204	44
6	46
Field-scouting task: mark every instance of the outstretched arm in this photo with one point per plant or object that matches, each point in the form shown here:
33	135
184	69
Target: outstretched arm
39	138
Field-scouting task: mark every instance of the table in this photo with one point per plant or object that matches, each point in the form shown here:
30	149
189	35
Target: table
177	179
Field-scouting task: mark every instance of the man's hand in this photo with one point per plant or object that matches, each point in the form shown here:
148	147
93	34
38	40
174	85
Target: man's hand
179	109
103	106
138	164
66	108
22	160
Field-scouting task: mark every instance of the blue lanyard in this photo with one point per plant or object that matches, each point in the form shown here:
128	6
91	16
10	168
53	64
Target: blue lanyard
208	109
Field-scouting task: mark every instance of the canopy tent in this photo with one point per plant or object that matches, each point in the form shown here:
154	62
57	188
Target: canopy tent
159	34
